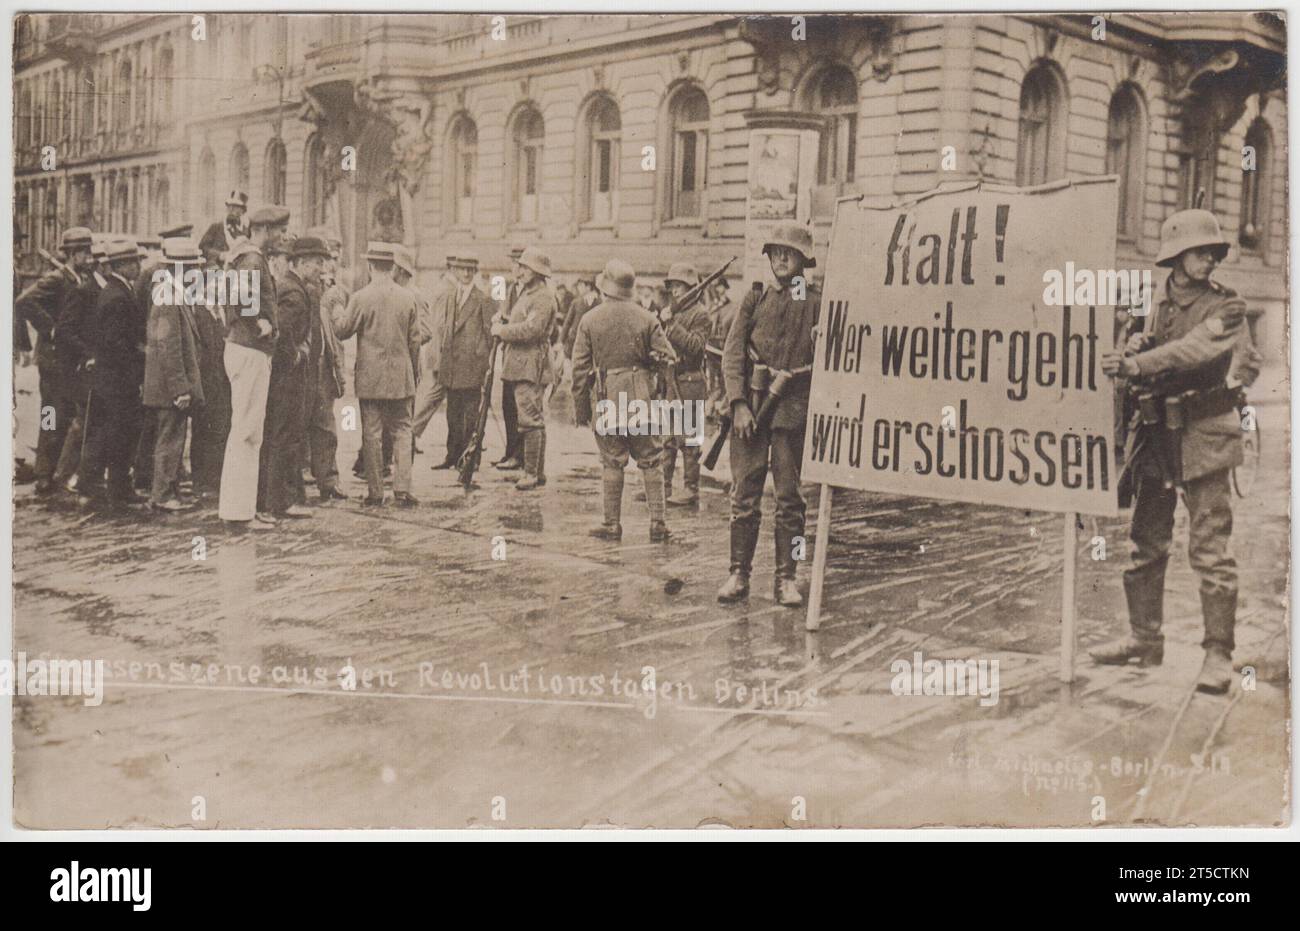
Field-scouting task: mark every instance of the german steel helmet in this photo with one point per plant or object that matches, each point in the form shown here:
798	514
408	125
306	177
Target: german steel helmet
1189	229
795	237
616	280
684	272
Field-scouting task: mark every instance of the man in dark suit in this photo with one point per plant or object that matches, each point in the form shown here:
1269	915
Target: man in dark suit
42	305
285	431
114	413
466	344
173	385
216	242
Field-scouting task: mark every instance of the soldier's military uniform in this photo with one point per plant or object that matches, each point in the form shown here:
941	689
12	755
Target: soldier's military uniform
616	350
526	364
1196	339
222	235
721	316
513	457
772	334
688	332
42	305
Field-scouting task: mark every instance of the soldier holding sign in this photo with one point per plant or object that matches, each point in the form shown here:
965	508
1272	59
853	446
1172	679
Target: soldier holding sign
1186	434
766	366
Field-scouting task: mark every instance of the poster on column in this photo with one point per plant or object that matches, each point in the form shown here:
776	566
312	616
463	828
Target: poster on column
960	343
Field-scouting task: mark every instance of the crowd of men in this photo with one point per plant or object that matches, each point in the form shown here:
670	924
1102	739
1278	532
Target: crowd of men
129	377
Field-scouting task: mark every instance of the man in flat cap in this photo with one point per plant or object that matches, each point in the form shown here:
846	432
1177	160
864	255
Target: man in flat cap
173	385
384	317
513	457
250	343
42	304
526	362
466	345
616	350
222	235
114	411
280	470
325	375
770	344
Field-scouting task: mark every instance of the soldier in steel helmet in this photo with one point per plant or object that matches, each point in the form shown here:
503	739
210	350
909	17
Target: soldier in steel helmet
1188	368
767	364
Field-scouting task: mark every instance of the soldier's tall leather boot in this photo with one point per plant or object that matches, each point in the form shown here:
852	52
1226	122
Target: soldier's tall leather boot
541	459
654	499
532	449
1146	644
690	493
744	537
611	479
1219	610
783	589
670	467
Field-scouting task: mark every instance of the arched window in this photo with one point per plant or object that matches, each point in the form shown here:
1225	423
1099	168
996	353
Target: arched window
688	120
598	162
835	98
239	167
164	84
274	180
1040	152
1256	180
529	133
207	184
462	162
1126	139
318	182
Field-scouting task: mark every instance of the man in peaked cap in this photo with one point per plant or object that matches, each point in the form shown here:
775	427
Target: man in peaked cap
173	384
114	410
615	352
251	336
384	317
42	304
526	362
280	491
1192	360
222	235
770	342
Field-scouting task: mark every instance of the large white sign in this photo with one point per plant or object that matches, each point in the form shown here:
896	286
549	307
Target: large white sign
959	352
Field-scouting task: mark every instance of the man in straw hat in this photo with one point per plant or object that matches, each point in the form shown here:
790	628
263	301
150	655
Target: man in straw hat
770	339
466	343
616	351
526	362
113	420
1188	365
385	319
173	384
250	343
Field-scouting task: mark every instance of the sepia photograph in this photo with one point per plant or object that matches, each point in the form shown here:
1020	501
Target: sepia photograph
662	420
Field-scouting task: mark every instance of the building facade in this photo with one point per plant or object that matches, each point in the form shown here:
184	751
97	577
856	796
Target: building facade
629	136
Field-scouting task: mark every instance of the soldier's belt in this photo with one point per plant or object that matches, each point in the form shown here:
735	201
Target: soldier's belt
624	370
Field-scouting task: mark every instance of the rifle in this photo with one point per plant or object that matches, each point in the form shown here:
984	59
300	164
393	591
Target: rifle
710	459
469	459
685	303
